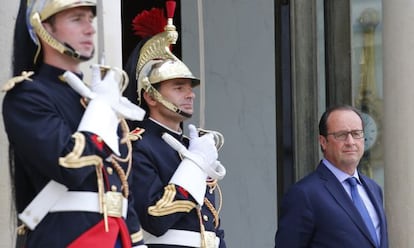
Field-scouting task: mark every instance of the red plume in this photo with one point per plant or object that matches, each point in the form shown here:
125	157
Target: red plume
149	23
170	8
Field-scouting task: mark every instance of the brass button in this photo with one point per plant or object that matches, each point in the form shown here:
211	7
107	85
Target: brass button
205	217
110	170
114	188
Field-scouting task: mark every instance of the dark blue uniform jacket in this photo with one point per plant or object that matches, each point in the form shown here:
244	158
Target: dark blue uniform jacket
40	117
154	163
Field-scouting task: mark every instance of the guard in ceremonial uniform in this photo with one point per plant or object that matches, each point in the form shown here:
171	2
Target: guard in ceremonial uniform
69	157
175	177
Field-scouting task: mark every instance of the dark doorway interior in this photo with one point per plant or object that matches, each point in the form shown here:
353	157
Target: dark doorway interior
284	133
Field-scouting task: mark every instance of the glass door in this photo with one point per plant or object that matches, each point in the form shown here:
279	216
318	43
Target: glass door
367	95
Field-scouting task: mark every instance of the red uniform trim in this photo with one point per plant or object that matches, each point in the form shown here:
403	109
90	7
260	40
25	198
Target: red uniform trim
97	141
183	192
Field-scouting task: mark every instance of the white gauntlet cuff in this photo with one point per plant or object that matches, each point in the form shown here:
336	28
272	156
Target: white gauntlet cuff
189	176
100	119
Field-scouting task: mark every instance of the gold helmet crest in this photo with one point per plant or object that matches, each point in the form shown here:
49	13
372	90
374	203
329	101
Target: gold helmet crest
156	63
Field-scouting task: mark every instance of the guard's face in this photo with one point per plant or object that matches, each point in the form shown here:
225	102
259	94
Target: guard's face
74	27
343	153
179	91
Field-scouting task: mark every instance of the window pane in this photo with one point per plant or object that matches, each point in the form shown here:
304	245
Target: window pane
366	32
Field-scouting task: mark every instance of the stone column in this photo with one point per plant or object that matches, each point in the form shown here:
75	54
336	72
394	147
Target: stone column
398	43
8	14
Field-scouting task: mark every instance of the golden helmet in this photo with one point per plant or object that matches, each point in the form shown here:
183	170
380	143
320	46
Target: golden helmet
159	70
169	69
47	8
154	60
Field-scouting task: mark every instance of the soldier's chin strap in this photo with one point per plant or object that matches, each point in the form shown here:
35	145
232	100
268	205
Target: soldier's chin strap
62	48
159	98
73	53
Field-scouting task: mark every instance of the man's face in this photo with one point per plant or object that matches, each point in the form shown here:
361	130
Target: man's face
74	27
178	91
344	154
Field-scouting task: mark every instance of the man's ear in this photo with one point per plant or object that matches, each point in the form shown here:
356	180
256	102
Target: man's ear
48	27
149	99
322	142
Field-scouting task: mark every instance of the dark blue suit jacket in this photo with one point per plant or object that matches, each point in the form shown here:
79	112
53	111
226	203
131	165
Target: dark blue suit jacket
317	212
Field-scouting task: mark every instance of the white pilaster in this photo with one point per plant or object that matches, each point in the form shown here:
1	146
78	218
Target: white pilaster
398	43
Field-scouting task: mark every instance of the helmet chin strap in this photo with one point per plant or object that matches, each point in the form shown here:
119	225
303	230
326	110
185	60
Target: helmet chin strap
73	53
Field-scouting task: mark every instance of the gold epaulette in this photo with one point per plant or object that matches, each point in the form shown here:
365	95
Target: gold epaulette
136	134
13	81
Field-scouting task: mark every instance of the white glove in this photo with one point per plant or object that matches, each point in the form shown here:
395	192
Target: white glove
202	149
206	147
200	161
216	170
108	89
102	113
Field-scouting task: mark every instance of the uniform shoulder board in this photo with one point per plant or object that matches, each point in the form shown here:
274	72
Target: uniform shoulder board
136	134
13	81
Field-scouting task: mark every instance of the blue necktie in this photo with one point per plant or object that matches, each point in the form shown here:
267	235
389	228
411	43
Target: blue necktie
359	204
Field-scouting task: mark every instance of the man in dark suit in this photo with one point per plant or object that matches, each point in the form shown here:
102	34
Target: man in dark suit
320	210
